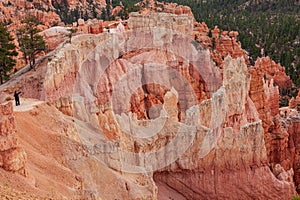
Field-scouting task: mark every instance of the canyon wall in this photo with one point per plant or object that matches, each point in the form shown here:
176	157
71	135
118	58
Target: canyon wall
159	99
238	160
229	149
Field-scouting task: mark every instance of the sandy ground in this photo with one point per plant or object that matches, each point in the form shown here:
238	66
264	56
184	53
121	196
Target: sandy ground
26	104
41	131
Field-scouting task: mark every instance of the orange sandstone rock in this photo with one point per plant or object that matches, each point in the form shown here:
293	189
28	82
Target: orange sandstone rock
12	157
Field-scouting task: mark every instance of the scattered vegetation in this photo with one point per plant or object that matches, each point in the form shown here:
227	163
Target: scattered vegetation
267	28
297	197
67	15
8	98
273	26
31	43
5	184
93	10
7	53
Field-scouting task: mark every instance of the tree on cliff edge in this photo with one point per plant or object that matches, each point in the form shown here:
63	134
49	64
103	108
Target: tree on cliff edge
7	53
30	41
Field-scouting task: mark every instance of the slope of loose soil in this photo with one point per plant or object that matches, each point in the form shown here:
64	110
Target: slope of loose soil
58	165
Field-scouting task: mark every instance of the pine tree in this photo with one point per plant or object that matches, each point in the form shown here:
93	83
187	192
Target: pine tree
30	41
7	53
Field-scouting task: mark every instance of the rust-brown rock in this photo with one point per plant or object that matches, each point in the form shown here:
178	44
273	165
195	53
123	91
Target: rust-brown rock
291	157
12	156
221	43
272	70
280	131
223	164
295	102
224	43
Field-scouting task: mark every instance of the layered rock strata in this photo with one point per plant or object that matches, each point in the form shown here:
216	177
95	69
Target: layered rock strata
164	107
12	156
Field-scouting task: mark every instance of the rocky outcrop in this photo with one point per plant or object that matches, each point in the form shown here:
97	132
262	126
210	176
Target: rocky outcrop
295	102
292	155
229	138
285	151
280	124
54	36
171	112
272	70
14	11
152	6
91	26
12	156
258	95
238	153
182	23
220	43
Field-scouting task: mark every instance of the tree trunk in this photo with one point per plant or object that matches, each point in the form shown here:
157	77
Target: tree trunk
30	61
25	58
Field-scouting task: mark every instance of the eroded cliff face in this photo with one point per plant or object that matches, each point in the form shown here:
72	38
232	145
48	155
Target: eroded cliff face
12	156
89	79
238	158
273	71
158	106
280	125
221	43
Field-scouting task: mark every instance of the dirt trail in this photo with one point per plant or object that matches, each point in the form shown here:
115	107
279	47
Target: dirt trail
27	104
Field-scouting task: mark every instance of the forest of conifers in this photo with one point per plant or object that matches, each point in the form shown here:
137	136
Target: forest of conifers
272	25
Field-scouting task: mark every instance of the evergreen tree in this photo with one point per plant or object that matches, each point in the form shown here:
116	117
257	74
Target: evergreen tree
30	41
7	52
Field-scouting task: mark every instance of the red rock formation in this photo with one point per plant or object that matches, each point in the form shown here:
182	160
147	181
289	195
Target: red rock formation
12	157
291	156
295	102
259	98
272	97
272	70
151	6
280	131
55	36
285	151
224	44
91	26
220	43
200	34
232	148
231	161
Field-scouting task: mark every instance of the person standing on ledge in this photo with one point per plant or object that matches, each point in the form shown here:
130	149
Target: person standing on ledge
17	98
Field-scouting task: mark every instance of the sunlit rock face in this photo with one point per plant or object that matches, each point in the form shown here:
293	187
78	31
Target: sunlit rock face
165	108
